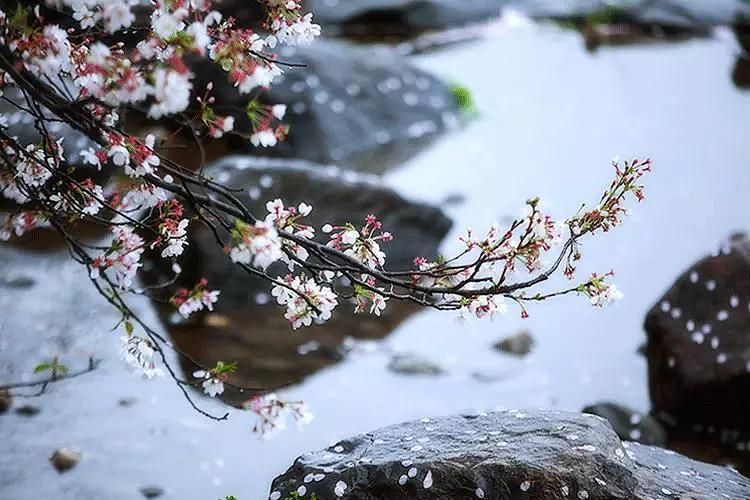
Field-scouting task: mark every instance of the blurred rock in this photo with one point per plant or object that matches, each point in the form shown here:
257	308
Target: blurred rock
127	402
396	19
64	459
366	109
152	491
519	344
532	455
247	325
699	350
6	400
409	364
630	425
28	410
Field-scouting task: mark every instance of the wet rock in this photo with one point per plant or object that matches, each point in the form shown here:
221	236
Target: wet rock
519	344
247	324
6	400
16	282
28	410
367	109
400	18
127	402
409	364
699	349
64	459
630	425
152	491
535	455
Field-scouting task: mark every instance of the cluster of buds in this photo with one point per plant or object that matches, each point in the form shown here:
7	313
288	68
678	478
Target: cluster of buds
599	292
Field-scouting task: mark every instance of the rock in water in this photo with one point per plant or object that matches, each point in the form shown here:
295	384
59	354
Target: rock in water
64	459
519	344
699	349
630	425
503	455
409	364
367	109
152	491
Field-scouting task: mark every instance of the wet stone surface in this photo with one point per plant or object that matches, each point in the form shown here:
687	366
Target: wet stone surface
699	349
365	108
503	455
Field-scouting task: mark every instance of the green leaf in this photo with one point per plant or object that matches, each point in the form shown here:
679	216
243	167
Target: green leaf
42	367
463	97
129	327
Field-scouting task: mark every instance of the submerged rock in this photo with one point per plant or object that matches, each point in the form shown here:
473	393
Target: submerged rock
368	109
519	344
28	410
152	491
247	325
503	455
64	459
699	349
409	364
630	425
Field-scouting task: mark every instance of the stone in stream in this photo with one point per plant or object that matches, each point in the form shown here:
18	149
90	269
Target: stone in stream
364	108
151	491
64	459
247	325
630	425
519	344
410	364
535	455
28	410
698	350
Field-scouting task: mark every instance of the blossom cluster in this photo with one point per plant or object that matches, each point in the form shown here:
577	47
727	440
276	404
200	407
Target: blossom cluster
305	299
271	413
361	244
138	353
195	300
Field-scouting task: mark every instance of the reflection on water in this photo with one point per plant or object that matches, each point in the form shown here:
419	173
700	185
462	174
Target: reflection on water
258	338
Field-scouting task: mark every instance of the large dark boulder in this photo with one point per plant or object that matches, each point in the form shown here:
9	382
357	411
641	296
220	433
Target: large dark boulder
363	108
698	349
248	326
503	455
